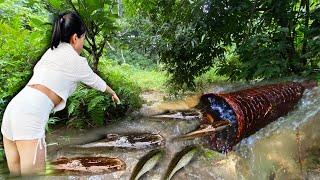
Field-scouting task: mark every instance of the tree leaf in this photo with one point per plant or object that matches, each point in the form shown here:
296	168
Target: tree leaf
55	3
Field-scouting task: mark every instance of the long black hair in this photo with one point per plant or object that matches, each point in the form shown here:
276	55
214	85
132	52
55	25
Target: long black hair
65	25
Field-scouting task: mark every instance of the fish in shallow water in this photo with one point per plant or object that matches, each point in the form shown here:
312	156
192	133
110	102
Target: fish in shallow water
179	115
146	163
87	165
180	160
205	130
131	141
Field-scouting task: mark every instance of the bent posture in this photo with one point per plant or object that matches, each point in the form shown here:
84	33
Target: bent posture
55	78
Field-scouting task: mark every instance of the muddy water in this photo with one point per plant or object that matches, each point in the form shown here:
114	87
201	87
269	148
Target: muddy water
288	148
168	128
284	149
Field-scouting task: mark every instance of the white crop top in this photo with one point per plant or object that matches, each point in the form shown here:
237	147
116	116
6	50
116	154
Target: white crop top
61	69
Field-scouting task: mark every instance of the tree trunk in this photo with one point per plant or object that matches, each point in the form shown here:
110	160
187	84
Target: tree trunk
306	24
292	54
120	9
95	58
95	64
124	60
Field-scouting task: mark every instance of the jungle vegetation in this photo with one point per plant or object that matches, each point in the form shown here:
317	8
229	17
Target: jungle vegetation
138	45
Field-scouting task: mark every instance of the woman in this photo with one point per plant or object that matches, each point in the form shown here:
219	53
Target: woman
55	78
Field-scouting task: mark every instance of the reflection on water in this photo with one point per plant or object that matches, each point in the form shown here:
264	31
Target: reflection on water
285	149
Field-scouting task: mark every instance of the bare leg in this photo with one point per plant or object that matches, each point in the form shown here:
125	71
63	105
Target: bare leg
27	151
12	155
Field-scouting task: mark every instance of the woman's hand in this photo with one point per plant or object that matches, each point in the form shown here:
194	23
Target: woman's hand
115	99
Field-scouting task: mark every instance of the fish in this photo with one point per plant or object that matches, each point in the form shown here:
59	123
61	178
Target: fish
146	163
131	141
180	160
87	165
205	130
179	115
182	105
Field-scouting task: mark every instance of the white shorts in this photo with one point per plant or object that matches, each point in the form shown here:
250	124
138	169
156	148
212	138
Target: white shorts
26	115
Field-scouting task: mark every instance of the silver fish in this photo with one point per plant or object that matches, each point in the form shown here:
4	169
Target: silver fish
180	160
205	130
179	115
146	163
132	141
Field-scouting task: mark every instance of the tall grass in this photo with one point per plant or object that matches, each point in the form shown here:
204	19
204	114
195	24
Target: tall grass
146	79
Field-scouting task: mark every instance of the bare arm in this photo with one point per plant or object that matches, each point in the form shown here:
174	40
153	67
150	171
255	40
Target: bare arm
88	77
109	90
113	94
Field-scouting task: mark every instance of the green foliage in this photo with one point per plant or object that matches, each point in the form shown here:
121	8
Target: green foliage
256	60
51	121
194	39
272	39
127	89
2	155
24	36
132	58
136	42
193	34
208	78
145	78
25	33
99	17
314	39
89	107
281	42
148	79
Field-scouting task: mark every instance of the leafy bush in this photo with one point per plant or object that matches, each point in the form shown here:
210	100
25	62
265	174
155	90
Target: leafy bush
273	39
208	78
259	57
146	79
24	37
132	58
120	82
86	107
94	108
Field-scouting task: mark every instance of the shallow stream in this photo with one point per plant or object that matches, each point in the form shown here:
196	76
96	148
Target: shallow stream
288	148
